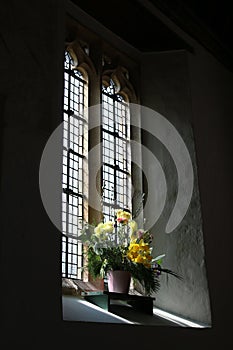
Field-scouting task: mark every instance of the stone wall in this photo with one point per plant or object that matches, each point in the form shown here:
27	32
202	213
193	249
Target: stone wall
166	90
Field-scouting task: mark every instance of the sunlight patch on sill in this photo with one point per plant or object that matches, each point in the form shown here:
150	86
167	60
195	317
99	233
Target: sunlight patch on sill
176	319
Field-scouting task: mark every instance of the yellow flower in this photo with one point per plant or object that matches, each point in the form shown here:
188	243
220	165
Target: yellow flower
133	226
106	227
98	228
123	217
140	253
139	259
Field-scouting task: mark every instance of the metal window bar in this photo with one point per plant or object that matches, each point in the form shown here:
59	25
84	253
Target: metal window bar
72	183
116	152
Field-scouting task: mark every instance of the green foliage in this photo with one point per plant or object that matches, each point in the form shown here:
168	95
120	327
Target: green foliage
113	259
147	277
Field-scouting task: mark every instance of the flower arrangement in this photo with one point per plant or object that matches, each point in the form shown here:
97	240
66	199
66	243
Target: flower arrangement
120	245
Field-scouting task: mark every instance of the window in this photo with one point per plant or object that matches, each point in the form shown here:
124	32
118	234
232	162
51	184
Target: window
88	76
116	159
74	157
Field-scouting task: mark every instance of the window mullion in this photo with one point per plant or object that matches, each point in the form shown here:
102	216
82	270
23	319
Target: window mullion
114	152
67	181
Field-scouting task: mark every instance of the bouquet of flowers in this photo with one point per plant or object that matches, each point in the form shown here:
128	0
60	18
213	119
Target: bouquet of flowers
120	245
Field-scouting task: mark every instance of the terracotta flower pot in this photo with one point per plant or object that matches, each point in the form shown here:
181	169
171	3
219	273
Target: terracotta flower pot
119	281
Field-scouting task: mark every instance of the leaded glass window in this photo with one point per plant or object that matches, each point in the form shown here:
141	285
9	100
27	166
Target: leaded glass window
74	167
116	158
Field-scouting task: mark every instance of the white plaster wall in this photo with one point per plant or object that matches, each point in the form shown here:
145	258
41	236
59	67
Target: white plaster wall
166	89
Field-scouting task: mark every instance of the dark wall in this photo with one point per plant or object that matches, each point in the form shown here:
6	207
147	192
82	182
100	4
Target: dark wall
212	110
31	44
31	63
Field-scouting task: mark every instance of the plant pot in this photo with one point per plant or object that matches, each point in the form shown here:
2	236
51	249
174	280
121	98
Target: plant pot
119	281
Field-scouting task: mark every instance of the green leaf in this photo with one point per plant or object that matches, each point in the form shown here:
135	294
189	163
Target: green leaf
159	258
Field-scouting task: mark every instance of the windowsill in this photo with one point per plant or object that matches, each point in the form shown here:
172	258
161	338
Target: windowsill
77	309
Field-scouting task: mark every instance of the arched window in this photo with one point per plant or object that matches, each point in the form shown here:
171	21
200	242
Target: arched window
89	81
116	155
75	150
